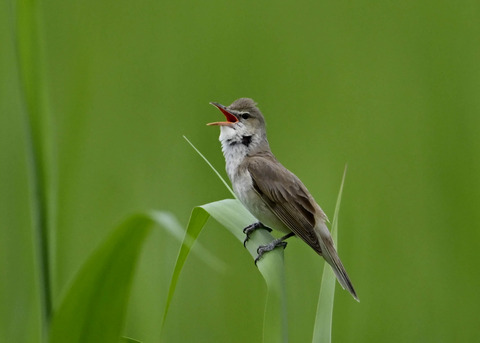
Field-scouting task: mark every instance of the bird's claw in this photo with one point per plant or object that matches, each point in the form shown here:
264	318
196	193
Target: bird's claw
251	228
262	249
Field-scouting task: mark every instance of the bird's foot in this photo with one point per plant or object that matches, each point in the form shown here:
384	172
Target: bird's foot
251	228
262	249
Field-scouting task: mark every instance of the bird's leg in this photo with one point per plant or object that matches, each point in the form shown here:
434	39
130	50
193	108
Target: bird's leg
280	242
251	228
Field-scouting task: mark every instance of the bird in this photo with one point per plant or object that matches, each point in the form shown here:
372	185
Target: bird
271	193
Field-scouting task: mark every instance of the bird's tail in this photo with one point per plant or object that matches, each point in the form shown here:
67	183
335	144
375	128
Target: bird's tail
331	256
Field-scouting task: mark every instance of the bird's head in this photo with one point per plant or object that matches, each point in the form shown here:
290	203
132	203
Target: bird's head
244	119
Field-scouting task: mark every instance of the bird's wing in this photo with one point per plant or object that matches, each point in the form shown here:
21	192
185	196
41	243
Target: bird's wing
286	196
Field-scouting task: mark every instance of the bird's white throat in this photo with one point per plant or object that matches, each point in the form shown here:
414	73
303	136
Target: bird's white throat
238	142
233	149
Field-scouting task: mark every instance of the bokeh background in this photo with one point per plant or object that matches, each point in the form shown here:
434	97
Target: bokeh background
391	88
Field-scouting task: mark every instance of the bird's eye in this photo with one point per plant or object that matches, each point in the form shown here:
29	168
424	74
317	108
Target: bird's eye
245	115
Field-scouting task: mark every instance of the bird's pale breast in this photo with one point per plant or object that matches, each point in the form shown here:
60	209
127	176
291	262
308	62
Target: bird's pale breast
243	188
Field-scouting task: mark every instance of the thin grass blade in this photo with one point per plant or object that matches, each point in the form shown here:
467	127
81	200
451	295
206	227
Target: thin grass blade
128	340
211	166
322	332
40	151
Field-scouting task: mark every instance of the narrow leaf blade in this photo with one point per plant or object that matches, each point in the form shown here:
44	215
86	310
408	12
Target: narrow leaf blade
128	340
211	166
198	218
322	332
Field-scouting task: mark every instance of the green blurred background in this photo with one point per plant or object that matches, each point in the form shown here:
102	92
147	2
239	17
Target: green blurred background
391	88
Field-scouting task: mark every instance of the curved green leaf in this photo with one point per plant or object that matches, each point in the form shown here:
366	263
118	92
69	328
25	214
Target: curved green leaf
231	214
234	216
94	307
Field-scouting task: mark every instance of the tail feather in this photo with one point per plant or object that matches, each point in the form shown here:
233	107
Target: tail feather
330	254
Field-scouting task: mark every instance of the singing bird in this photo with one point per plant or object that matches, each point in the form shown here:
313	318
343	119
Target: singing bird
273	194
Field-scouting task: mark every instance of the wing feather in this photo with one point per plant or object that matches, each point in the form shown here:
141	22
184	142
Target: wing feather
286	196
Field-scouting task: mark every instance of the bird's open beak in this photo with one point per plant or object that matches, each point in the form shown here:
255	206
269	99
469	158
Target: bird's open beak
231	118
